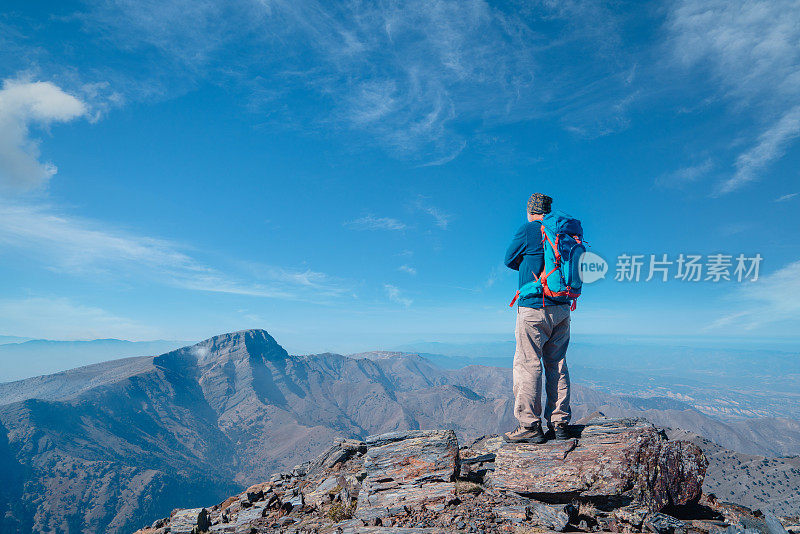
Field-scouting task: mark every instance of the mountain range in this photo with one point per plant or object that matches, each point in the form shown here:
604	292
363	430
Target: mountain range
112	446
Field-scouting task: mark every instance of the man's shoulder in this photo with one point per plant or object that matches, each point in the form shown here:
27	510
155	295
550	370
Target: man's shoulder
531	226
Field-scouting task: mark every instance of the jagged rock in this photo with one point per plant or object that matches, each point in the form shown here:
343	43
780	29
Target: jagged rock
480	458
293	501
516	513
386	530
323	490
611	458
737	528
475	466
774	526
663	524
250	514
407	468
189	521
632	515
554	517
703	526
744	520
380	440
415	458
255	492
224	528
339	452
339	488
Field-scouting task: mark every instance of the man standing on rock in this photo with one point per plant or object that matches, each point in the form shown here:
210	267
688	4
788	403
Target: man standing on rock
542	333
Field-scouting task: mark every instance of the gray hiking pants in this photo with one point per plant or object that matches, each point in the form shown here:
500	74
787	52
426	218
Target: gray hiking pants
542	339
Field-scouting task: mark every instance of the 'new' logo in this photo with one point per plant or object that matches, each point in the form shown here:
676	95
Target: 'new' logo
593	267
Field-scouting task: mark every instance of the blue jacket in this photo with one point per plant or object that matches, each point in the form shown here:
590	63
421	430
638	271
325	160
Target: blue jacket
526	255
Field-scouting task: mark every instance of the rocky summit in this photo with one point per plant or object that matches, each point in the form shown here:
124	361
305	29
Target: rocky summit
613	475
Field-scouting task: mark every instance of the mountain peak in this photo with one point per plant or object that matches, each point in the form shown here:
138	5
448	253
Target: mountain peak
254	342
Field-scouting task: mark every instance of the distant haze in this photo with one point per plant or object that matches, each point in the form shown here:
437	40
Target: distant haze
24	359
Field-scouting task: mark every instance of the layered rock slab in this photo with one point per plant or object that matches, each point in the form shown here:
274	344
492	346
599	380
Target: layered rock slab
407	469
610	458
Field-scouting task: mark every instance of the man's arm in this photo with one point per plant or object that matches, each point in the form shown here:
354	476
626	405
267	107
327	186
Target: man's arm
516	249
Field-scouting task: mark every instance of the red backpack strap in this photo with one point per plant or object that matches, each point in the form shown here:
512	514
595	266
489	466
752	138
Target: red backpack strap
555	246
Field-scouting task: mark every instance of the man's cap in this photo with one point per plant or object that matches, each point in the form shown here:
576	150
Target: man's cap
539	204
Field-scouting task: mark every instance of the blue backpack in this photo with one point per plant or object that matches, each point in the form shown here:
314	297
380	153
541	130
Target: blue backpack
562	241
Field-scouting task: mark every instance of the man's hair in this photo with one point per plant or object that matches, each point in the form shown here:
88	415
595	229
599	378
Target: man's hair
539	204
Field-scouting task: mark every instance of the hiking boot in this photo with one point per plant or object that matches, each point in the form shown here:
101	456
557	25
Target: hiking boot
524	434
561	432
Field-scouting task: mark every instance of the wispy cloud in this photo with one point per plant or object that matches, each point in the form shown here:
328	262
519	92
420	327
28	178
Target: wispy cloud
420	78
370	222
685	175
407	269
86	248
24	104
786	197
750	50
771	299
771	146
400	73
494	275
441	218
396	295
749	47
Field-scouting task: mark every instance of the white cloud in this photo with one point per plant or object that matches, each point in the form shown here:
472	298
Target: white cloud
370	222
60	318
85	247
441	218
685	175
771	146
407	269
788	196
771	299
750	50
396	295
494	275
749	47
23	104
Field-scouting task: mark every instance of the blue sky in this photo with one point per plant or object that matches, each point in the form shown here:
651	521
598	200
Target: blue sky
348	175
